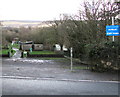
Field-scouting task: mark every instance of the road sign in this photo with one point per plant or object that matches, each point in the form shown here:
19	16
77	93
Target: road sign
113	30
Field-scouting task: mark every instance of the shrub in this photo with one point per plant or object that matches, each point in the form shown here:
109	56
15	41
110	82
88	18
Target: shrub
105	58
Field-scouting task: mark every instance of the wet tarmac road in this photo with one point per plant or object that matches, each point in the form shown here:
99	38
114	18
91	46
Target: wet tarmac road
47	87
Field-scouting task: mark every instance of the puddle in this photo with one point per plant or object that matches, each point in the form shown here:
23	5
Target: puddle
28	60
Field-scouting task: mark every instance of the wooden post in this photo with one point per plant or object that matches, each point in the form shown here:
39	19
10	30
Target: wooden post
71	53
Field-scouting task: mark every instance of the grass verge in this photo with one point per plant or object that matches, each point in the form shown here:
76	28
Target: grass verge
81	67
4	51
42	52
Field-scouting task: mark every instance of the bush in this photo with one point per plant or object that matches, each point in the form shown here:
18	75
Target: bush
105	58
12	51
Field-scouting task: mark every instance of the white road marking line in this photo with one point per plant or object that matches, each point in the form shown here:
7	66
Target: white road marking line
20	77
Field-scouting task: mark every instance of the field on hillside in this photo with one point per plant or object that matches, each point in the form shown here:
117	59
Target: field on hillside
16	23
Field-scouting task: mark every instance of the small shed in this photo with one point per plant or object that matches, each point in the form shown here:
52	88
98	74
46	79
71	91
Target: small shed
38	47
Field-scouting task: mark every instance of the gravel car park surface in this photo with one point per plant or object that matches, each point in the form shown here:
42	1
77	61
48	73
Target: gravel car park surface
57	69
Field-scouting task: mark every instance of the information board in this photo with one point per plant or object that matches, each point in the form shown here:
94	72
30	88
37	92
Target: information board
113	30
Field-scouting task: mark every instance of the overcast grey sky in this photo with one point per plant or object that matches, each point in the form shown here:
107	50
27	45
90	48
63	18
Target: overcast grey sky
37	9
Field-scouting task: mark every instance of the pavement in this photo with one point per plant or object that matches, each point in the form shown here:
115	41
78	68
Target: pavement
17	54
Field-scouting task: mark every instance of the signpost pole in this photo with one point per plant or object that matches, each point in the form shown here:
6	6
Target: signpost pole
71	50
113	38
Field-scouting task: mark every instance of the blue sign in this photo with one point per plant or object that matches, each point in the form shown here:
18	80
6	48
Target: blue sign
113	30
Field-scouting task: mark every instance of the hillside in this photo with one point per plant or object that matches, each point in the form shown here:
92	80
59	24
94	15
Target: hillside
18	23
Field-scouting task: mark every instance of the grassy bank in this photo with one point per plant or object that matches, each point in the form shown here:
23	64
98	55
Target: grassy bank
5	52
15	46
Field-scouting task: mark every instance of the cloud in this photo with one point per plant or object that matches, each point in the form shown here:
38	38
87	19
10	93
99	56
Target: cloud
37	9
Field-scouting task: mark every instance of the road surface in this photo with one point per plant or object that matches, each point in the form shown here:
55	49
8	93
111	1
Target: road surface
54	87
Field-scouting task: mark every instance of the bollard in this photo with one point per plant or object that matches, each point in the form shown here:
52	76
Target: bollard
22	54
